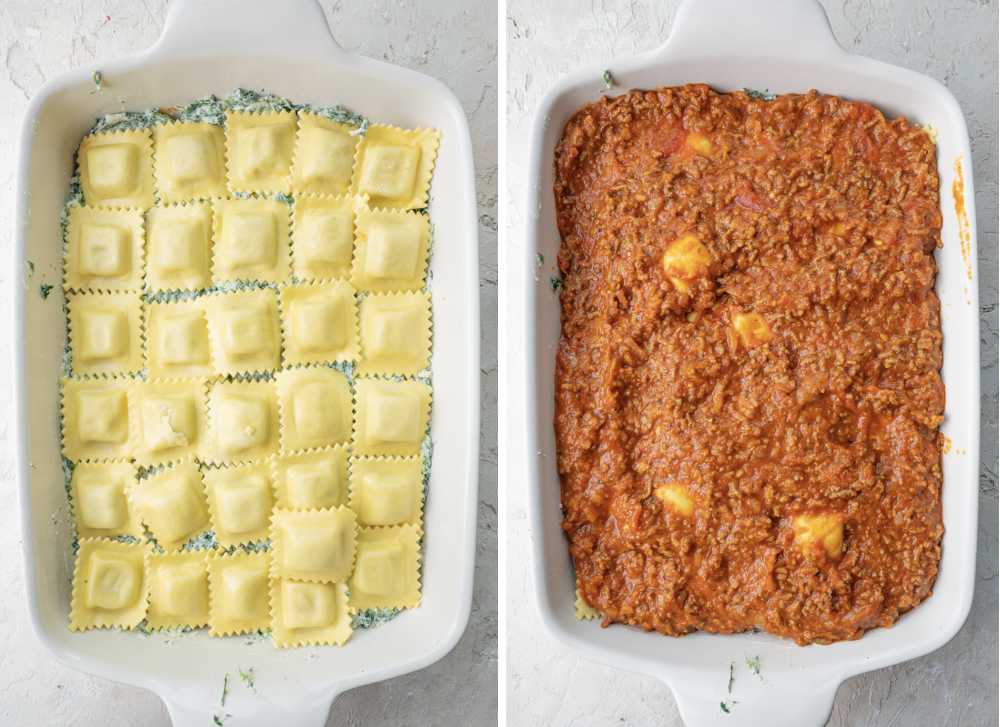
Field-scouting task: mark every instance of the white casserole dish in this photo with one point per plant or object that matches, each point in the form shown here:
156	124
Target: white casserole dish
214	47
787	47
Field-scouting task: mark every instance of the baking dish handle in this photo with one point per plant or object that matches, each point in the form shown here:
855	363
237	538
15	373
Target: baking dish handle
802	701
193	27
247	713
780	29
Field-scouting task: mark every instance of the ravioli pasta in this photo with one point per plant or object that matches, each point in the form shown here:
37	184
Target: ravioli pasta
245	404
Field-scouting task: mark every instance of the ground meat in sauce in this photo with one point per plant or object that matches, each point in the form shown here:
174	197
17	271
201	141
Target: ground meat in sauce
821	217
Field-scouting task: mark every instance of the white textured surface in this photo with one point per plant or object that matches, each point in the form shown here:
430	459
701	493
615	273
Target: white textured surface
954	42
41	40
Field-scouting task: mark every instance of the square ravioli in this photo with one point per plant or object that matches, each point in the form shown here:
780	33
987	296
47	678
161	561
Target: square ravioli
391	417
190	161
243	421
387	572
324	156
240	501
316	408
260	148
178	590
95	419
99	493
394	166
104	249
395	333
245	331
116	169
239	599
110	587
312	480
387	491
323	237
170	419
251	240
313	545
180	245
177	341
390	251
320	322
309	613
105	333
171	503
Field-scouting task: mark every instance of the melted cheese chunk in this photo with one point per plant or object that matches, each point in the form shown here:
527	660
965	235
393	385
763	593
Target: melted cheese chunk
752	329
820	532
168	422
172	505
684	260
676	497
314	545
699	143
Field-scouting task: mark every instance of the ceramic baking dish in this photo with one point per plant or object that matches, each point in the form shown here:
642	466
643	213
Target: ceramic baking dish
214	47
732	44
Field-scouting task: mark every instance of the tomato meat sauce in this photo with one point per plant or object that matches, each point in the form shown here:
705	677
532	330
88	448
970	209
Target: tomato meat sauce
748	389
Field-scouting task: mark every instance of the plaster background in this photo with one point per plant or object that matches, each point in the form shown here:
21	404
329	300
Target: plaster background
954	41
40	40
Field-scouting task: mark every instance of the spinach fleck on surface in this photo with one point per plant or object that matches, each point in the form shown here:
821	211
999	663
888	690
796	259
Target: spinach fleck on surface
764	95
44	289
556	282
609	80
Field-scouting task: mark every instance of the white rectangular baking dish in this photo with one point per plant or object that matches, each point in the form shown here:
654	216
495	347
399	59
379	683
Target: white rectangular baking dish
786	47
214	47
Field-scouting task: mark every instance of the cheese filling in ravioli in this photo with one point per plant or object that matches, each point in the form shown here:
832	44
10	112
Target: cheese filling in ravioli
171	416
395	333
387	491
95	419
177	340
